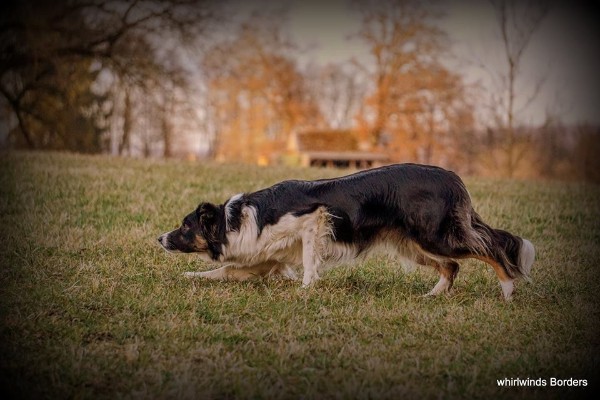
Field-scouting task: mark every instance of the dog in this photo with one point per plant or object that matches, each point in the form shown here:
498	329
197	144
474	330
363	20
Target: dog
422	214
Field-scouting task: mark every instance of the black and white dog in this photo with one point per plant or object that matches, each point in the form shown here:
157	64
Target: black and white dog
421	213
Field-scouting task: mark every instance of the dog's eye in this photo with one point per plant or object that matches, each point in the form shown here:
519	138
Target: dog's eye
184	227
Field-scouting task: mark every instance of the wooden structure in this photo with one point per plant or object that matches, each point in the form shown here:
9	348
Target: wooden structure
335	148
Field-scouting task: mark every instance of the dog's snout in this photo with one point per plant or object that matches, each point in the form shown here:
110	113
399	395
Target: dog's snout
166	243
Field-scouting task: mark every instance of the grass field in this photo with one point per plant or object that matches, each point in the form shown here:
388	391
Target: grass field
91	307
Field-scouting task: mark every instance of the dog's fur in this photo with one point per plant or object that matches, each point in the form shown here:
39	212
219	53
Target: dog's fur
421	213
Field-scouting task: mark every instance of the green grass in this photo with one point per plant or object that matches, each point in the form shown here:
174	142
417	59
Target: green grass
91	307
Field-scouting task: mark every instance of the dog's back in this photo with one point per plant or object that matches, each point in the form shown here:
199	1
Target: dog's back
417	201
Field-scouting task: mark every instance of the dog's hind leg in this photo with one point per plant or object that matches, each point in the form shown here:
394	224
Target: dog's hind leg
506	282
509	255
448	271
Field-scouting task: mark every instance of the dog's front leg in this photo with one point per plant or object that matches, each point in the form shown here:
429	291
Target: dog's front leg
232	272
239	273
310	260
217	274
315	234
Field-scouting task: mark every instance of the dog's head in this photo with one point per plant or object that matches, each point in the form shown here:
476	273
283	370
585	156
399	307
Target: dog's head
201	231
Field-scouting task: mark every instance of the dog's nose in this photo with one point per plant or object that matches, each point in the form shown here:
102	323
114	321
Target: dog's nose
160	239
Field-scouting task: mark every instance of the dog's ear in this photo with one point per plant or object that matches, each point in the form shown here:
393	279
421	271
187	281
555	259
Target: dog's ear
206	212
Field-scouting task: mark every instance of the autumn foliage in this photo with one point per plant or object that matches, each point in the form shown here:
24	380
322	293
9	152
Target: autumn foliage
185	78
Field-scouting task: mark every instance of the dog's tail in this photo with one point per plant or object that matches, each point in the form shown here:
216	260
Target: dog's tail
514	254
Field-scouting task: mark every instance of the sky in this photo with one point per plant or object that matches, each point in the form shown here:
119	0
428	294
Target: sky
564	52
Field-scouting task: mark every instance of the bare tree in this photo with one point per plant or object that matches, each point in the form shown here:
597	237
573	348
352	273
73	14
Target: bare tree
40	40
517	22
338	89
125	142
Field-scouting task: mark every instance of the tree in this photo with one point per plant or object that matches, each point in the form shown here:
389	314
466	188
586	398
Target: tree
40	40
414	97
338	90
257	95
585	154
517	22
438	116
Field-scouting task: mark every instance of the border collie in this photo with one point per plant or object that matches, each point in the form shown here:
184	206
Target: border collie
422	214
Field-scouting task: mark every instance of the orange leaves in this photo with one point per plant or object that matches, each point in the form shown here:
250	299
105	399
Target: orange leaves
258	96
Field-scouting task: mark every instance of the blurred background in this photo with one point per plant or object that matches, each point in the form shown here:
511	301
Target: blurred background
495	88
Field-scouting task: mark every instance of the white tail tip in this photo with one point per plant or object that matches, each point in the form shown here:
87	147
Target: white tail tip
526	258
